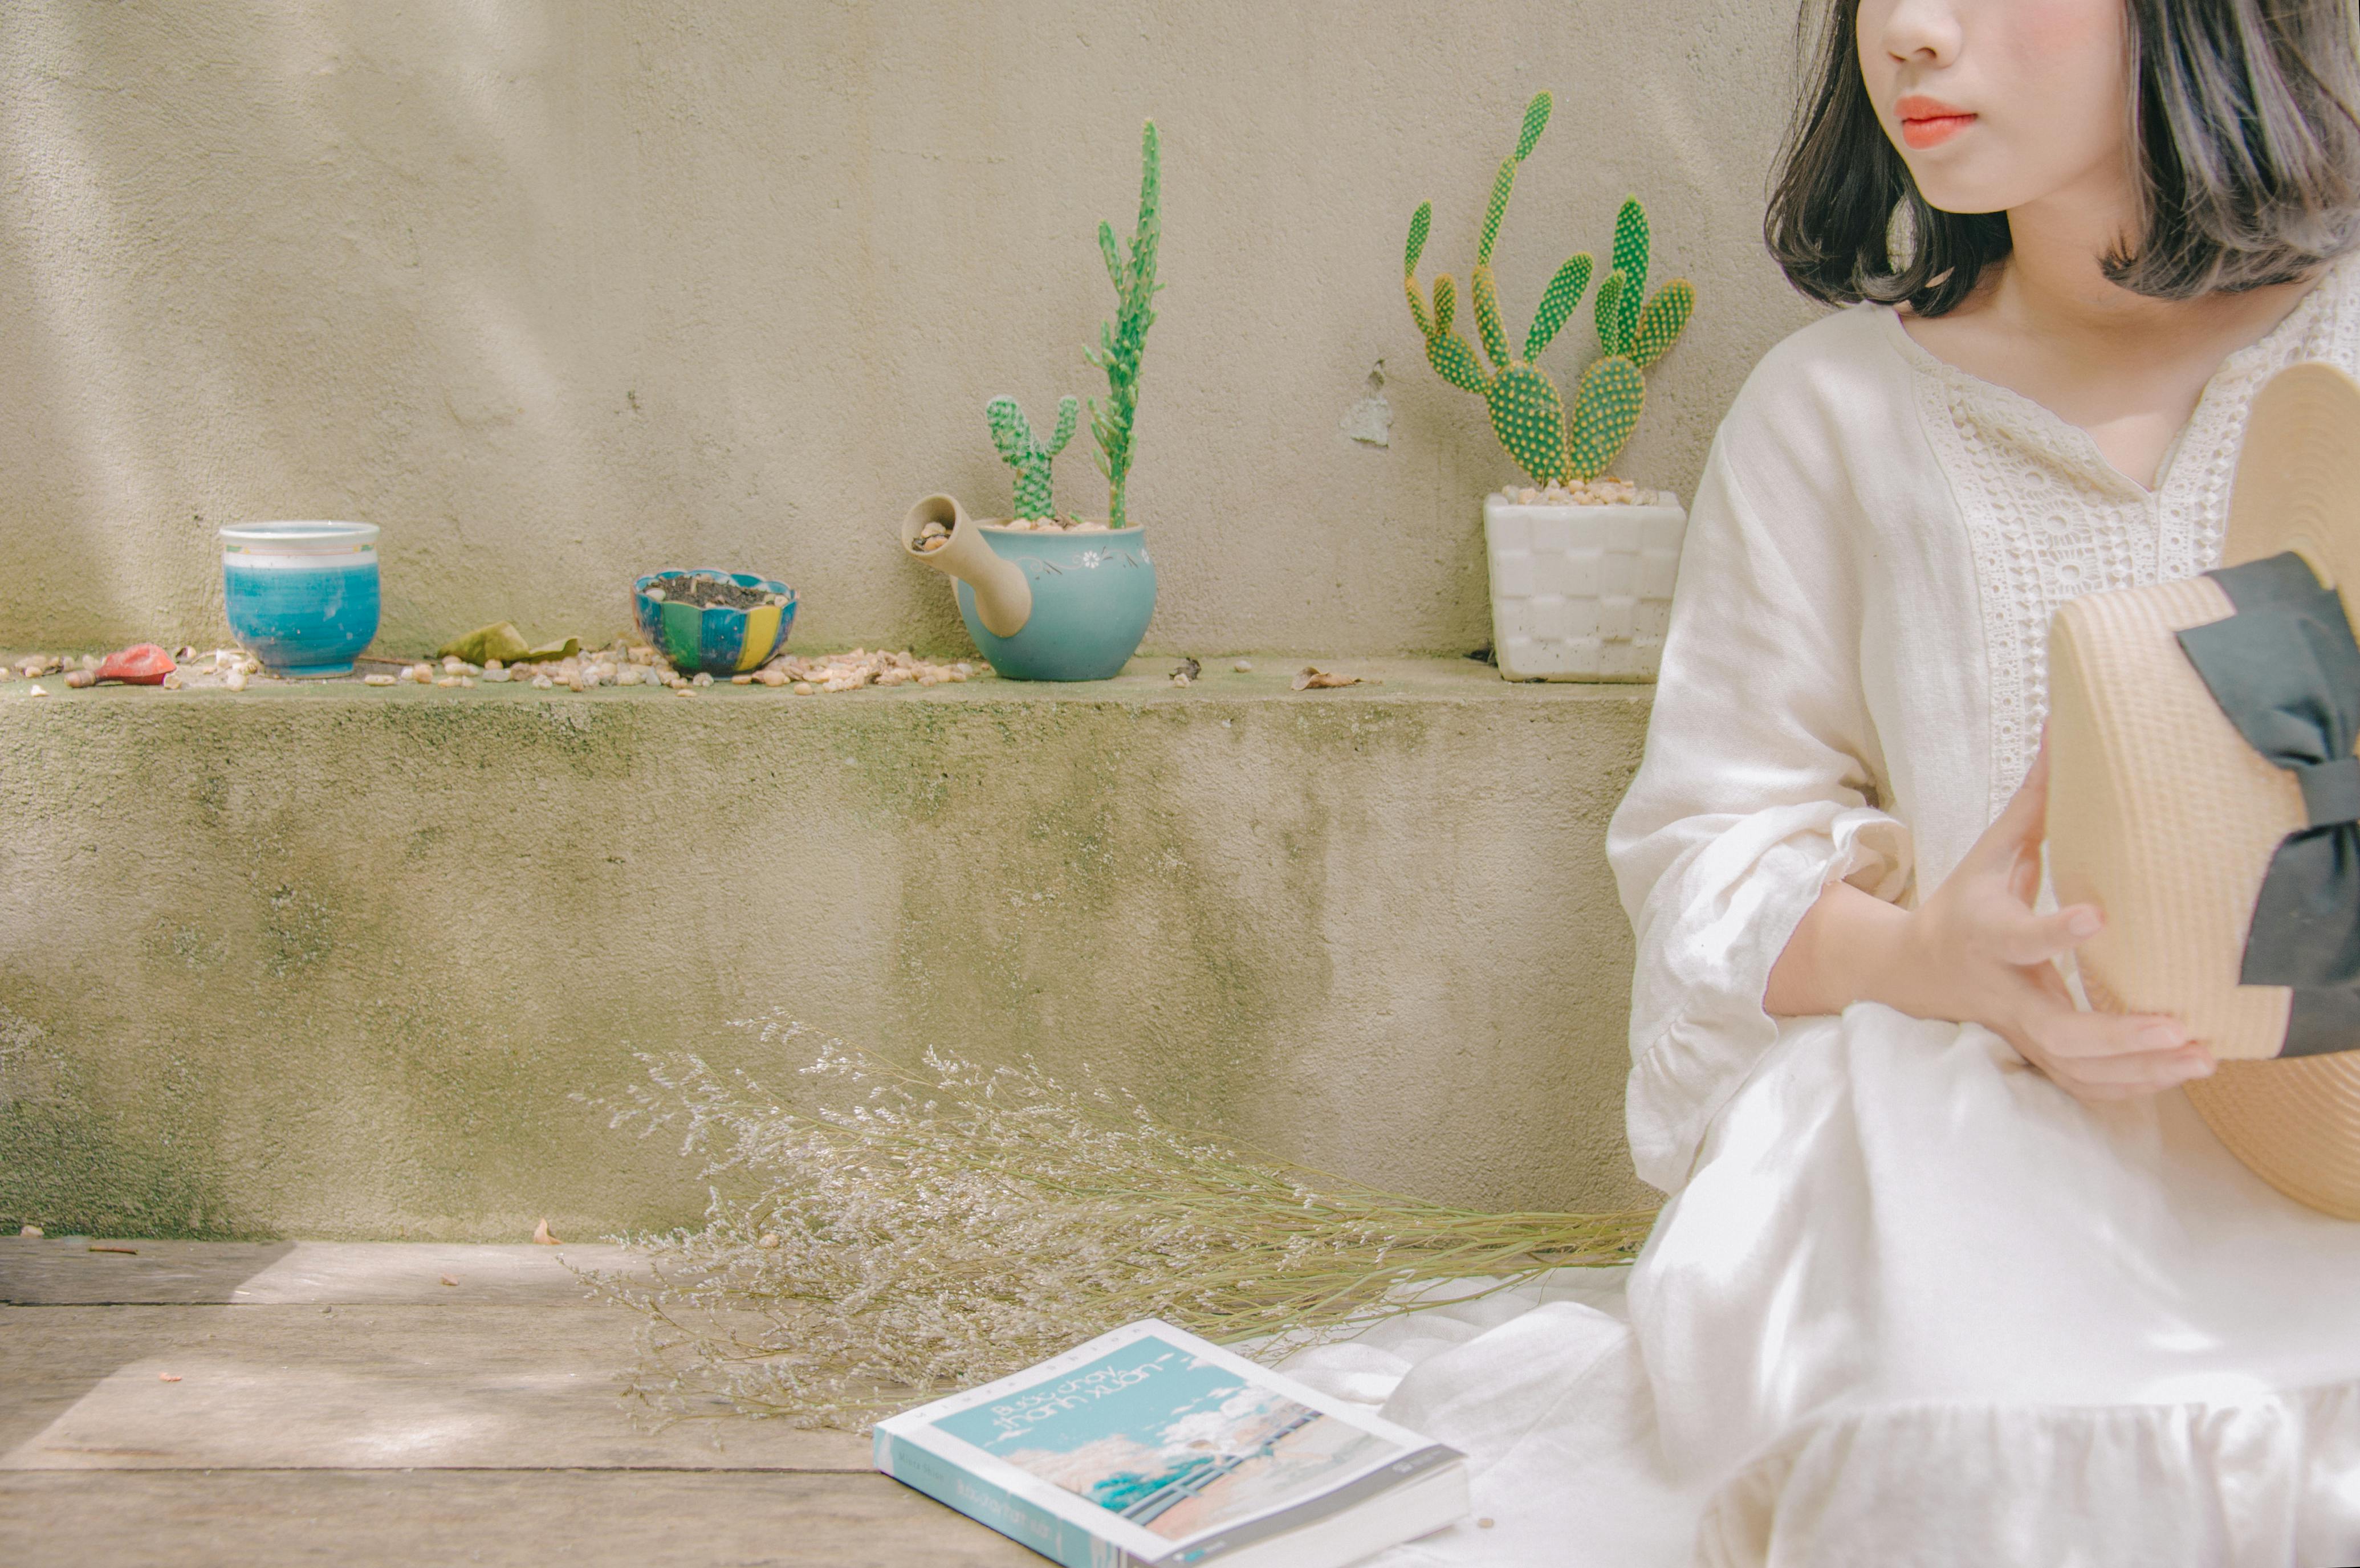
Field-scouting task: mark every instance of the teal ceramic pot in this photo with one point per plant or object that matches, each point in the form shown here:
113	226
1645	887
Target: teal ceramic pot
714	639
1092	595
303	597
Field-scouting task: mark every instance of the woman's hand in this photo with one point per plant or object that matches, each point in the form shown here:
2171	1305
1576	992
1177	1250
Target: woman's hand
1975	951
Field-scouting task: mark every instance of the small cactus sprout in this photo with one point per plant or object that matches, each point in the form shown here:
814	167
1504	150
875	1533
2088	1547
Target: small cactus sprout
1012	432
1527	412
1124	338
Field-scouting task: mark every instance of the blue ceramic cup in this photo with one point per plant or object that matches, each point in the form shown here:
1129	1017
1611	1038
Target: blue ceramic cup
303	597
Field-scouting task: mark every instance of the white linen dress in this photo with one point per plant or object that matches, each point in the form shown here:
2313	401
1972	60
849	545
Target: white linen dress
1909	1303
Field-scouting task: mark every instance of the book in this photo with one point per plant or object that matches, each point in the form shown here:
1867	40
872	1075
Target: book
1149	1446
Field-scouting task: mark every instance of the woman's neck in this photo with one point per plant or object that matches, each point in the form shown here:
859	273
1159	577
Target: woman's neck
2127	368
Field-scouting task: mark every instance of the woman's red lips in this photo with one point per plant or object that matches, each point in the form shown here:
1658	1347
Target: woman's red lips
1929	122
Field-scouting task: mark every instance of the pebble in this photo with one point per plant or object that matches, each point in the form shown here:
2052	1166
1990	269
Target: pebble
454	665
1243	667
851	671
39	692
741	680
79	679
422	673
1602	492
771	677
448	680
235	680
704	677
376	680
543	684
33	1231
804	687
172	682
492	672
685	691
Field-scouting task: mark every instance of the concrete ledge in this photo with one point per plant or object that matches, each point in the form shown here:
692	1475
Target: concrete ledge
334	961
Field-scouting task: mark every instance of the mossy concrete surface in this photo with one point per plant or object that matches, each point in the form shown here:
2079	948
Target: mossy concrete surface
340	962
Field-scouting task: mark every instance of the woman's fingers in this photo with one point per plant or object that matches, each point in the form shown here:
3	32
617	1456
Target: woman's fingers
2105	1055
2142	1069
2020	937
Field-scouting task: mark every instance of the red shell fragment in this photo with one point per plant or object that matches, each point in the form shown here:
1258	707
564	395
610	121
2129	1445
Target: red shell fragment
145	665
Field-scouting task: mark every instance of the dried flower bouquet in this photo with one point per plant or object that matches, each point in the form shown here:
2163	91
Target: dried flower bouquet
944	1229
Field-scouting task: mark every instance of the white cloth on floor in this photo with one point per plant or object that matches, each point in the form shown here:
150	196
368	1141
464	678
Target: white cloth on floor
1909	1302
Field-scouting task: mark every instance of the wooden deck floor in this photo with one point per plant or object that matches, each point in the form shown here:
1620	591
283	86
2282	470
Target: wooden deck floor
198	1403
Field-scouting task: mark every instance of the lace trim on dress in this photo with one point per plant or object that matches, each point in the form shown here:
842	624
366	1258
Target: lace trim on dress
2048	519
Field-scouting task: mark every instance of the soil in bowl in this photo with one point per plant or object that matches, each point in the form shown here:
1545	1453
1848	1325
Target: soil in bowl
706	592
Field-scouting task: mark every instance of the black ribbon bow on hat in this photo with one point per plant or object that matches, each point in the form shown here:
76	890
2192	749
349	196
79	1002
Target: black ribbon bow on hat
2285	671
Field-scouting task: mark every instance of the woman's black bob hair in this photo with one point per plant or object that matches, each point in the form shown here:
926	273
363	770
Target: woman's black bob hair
2249	161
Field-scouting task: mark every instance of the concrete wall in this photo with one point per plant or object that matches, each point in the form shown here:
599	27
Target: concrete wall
331	961
560	293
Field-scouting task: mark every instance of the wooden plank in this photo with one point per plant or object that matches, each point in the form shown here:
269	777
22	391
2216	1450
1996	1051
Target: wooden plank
492	1519
56	1272
353	1387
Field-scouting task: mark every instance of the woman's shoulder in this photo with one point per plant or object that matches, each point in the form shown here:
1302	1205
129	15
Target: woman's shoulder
1841	382
1839	356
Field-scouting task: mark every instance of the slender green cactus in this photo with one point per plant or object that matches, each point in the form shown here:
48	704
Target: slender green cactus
1122	340
1012	432
1641	332
1527	412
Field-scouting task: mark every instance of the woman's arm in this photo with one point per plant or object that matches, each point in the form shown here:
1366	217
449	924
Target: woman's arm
1976	952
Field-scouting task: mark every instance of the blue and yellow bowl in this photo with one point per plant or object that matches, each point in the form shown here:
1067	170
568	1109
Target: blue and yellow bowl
716	640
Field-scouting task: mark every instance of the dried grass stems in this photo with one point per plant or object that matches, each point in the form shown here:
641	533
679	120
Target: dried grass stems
936	1230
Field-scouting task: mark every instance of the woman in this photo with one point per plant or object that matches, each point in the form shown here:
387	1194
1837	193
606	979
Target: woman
1950	1274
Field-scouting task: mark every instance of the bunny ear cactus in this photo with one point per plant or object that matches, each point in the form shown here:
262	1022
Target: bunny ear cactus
1527	413
1012	432
1122	341
1641	333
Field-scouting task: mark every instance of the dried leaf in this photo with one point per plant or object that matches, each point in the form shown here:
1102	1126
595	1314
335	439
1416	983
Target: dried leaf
541	1237
1312	678
448	1280
168	1376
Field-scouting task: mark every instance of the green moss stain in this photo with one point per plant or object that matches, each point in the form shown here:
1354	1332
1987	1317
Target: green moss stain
340	964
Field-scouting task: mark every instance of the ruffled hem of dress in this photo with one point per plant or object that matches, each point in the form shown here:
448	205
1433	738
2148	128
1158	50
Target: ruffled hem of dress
2266	1482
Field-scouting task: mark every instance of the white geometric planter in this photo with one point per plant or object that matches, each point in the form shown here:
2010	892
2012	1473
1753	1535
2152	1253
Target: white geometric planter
1581	593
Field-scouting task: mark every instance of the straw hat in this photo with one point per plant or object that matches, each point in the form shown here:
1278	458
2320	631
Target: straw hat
2230	878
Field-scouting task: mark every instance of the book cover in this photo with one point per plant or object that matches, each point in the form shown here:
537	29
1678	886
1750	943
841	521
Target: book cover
1149	1446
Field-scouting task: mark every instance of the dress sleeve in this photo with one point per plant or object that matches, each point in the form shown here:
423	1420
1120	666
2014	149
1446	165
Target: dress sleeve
1756	789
